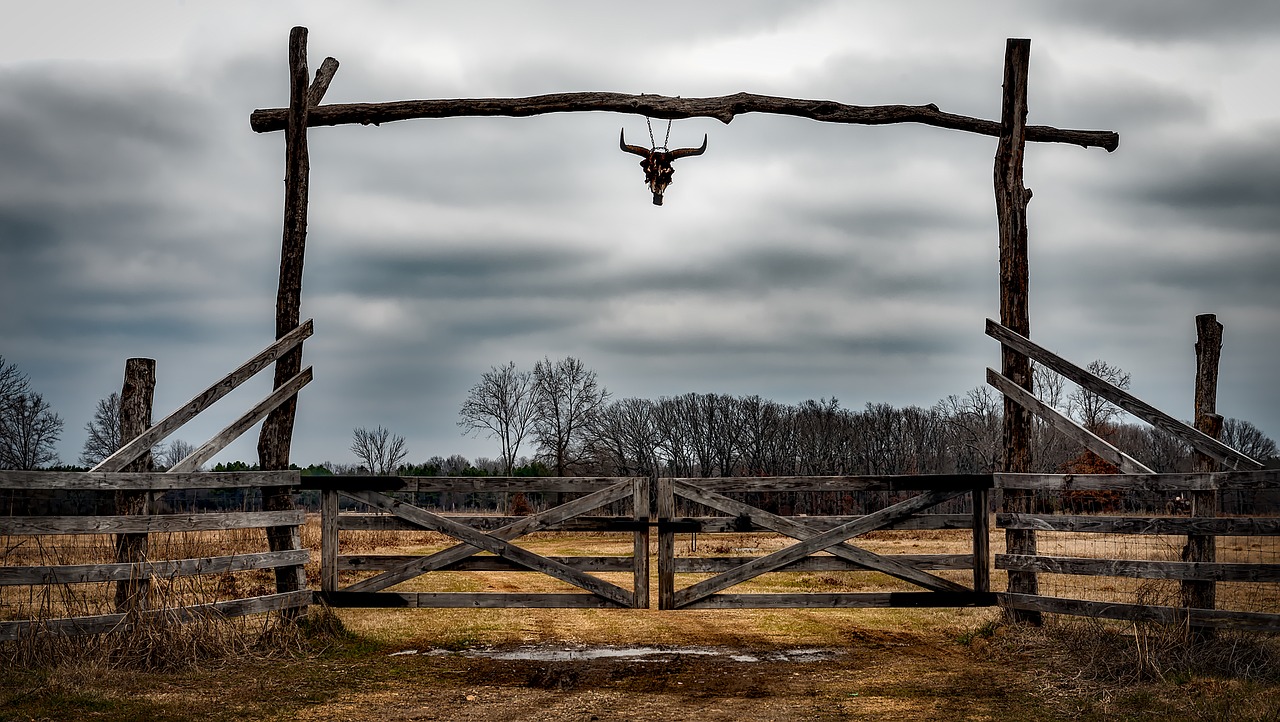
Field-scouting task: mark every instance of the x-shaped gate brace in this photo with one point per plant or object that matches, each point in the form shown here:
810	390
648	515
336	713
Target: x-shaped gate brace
499	543
703	594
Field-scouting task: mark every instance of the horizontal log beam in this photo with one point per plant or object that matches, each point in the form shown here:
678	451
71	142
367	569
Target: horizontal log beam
386	562
10	631
171	423
1250	621
455	600
149	481
86	573
468	484
905	482
1154	525
845	601
1205	444
1202	481
683	525
386	522
1065	426
716	565
723	108
737	524
144	524
1141	569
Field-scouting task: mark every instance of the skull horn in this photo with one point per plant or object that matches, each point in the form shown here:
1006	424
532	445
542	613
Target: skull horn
682	152
622	143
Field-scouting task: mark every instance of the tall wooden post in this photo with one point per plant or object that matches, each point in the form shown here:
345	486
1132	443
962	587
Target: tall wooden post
1202	547
135	417
1011	213
277	430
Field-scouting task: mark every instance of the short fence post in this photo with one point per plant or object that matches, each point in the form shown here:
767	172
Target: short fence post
666	545
1203	547
135	417
640	550
329	540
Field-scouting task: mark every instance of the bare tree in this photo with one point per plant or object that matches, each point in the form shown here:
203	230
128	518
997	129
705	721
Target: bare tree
502	406
380	450
103	430
29	430
176	451
12	382
1248	440
1093	411
567	396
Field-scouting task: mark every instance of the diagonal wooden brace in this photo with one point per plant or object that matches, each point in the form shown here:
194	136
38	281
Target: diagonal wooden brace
811	541
500	547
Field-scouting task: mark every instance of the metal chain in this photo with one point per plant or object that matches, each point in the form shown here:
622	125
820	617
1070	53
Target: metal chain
653	144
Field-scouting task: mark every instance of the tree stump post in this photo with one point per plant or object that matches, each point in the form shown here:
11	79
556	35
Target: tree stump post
1203	547
1011	214
135	417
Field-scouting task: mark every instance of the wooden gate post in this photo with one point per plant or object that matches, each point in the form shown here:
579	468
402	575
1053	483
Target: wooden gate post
277	430
1011	213
1203	547
640	548
135	417
666	544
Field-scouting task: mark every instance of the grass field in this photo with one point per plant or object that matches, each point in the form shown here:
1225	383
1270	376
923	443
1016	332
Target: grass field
543	664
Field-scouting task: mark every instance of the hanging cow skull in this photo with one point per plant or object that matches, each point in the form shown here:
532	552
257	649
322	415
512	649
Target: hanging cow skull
657	163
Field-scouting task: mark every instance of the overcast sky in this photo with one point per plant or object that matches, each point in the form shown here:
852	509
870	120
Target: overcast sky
140	216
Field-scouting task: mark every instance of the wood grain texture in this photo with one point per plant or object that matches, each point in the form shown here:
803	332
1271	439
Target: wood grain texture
715	565
1142	569
1229	457
1157	525
1234	480
320	84
389	562
84	573
640	544
463	600
1066	426
723	108
666	508
203	400
1251	621
463	484
356	521
154	481
143	524
906	482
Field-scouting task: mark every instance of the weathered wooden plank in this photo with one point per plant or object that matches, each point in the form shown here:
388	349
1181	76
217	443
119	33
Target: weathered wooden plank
737	524
1141	569
800	531
135	416
155	481
103	623
385	562
455	600
845	600
204	400
498	546
1252	621
716	565
520	527
981	560
130	524
1229	457
666	503
1065	426
462	484
356	521
640	544
1158	525
329	541
723	108
1200	548
235	429
908	482
1235	480
84	573
816	542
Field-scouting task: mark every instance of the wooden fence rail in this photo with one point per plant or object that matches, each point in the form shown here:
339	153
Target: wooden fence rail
12	575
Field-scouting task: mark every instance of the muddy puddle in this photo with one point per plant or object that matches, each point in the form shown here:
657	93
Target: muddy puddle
561	653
